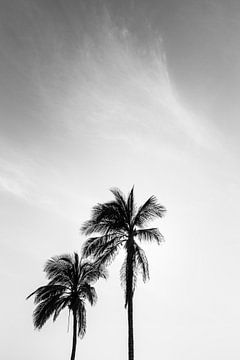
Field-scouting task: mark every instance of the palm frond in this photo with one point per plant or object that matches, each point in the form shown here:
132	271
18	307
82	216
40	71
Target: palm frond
105	218
76	259
101	269
88	292
142	262
90	272
45	292
152	234
67	258
109	255
130	205
124	276
91	245
81	320
120	199
59	268
105	226
116	240
44	310
148	211
63	302
92	226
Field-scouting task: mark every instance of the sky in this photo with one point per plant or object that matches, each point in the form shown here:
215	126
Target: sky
100	94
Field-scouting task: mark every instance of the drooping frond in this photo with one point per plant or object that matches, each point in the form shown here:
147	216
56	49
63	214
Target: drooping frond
109	255
81	319
148	211
44	292
62	304
152	234
142	262
45	309
88	292
124	277
114	242
93	244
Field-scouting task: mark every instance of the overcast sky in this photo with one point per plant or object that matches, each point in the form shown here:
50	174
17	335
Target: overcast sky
98	94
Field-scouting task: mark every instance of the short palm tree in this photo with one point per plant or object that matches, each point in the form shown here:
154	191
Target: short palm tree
119	224
70	285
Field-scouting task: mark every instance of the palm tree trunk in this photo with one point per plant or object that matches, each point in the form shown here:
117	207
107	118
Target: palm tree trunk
74	343
130	330
129	285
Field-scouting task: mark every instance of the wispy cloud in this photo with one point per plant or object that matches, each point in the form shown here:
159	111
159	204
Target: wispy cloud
108	100
31	183
116	88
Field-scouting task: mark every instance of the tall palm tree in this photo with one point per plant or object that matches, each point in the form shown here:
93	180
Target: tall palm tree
119	223
70	285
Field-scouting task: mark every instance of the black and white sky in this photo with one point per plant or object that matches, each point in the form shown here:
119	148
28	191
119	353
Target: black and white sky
96	94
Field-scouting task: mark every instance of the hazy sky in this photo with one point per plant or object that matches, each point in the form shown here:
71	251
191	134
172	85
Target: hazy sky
98	94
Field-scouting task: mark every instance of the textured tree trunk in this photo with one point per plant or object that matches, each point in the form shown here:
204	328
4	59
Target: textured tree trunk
130	252
74	343
130	330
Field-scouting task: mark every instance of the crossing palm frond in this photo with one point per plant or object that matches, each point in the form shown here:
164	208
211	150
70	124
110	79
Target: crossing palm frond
108	255
92	245
91	272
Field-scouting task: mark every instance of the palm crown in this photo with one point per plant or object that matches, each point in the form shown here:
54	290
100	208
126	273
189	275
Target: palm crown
70	285
120	223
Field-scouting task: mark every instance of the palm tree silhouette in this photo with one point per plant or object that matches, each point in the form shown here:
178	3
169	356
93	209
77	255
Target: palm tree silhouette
69	285
119	223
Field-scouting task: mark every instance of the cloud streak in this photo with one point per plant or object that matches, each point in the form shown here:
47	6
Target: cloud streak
109	98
